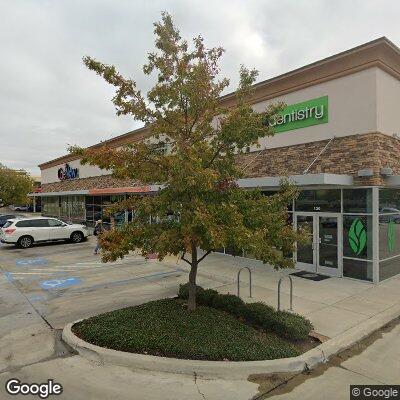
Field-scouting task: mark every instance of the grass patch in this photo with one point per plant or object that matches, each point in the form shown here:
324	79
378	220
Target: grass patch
166	328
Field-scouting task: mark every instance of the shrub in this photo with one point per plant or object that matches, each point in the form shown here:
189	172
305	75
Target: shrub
183	292
259	314
291	326
206	297
285	324
228	303
203	296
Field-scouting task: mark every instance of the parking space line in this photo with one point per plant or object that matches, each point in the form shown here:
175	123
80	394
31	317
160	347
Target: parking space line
125	281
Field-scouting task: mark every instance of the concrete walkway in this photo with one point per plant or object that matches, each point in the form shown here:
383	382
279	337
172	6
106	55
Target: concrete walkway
377	362
333	305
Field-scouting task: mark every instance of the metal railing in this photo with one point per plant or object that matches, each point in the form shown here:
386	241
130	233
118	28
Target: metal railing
291	292
238	280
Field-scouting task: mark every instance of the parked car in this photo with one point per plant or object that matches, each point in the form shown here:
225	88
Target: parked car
5	217
21	208
388	215
23	232
38	208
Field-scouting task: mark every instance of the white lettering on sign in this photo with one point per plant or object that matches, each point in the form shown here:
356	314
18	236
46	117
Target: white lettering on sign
299	115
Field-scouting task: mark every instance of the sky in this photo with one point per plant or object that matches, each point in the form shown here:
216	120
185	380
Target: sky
49	99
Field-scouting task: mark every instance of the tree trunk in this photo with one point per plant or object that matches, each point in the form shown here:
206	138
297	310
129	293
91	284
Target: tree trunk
192	280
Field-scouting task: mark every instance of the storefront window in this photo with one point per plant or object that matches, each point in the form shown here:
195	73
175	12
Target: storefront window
389	268
389	233
389	236
322	200
67	208
96	199
357	247
357	201
358	269
389	201
357	236
76	209
50	207
96	208
105	200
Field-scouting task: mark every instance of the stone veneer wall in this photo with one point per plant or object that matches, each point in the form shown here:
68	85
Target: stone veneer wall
344	155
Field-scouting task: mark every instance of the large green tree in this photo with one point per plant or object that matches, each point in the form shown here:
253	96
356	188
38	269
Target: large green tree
14	186
200	206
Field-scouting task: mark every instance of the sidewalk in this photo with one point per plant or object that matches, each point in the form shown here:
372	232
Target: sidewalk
333	305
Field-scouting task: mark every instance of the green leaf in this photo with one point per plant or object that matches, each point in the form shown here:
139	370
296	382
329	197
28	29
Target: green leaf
357	236
391	236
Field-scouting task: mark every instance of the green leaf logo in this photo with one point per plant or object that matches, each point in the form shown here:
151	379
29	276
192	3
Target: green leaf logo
357	236
391	236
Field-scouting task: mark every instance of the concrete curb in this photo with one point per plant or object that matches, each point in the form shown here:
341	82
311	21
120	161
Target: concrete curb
231	370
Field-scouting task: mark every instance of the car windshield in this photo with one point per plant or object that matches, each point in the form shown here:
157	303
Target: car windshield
7	224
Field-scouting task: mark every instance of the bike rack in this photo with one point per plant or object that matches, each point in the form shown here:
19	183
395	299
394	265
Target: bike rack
291	292
238	280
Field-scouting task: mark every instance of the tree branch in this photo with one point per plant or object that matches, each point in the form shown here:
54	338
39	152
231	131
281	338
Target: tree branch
204	256
184	259
215	155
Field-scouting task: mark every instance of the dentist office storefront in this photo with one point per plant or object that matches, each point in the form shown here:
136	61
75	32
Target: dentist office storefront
338	140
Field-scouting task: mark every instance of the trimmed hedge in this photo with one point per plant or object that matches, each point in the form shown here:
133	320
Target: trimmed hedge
285	324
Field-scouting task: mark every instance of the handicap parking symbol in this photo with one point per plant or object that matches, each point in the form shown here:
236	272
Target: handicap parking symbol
30	261
59	283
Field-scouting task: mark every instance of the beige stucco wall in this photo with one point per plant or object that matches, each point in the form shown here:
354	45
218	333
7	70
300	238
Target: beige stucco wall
363	102
352	109
388	103
50	175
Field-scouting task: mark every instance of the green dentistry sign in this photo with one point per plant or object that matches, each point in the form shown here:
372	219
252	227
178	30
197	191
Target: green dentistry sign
301	115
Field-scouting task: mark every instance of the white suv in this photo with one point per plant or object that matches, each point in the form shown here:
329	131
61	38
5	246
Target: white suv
23	232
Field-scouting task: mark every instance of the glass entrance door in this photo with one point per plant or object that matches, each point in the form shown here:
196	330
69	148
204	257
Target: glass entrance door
306	255
323	252
328	245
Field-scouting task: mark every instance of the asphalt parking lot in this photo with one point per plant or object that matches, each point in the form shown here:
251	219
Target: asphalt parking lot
49	285
65	282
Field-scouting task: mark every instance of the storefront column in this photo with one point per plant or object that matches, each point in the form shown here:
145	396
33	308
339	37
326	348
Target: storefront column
375	233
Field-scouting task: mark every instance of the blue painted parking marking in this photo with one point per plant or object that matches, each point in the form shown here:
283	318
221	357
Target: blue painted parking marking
59	283
30	261
35	298
9	277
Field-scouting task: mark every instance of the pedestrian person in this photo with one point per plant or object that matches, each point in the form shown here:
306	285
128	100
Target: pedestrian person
98	230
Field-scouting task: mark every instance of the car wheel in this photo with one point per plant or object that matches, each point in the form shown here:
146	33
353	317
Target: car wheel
77	237
25	242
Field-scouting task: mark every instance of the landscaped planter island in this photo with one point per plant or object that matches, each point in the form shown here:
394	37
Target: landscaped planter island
223	336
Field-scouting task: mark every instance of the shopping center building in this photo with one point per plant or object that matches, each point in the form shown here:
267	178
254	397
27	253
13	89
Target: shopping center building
338	140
